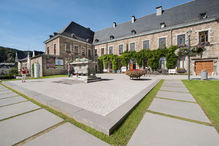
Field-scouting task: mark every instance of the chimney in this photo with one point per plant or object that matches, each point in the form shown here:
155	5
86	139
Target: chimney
159	10
33	53
133	19
114	24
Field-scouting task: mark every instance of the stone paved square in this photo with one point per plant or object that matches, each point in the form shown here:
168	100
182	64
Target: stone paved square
100	97
156	130
12	100
180	109
66	135
15	109
24	126
7	94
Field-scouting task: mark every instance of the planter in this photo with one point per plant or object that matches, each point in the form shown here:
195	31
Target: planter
135	73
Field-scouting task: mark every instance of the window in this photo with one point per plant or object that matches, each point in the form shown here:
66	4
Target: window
89	53
102	51
203	15
67	47
83	51
54	49
146	44
47	50
95	52
203	37
120	49
163	62
181	40
132	46
111	37
111	50
76	49
133	32
162	43
96	40
162	25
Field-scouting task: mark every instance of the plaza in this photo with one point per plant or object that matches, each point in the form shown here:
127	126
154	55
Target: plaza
103	99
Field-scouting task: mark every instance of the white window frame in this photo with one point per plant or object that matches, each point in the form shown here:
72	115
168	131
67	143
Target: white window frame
109	49
130	45
197	35
122	48
143	43
158	41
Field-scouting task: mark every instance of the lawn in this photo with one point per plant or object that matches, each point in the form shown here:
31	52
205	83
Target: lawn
206	94
124	132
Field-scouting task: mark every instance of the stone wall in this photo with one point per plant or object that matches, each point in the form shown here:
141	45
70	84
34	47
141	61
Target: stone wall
212	51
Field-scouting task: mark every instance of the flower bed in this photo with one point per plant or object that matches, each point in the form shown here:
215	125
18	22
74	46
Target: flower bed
135	73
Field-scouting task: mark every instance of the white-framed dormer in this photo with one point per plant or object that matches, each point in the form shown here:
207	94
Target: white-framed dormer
158	40
142	43
130	45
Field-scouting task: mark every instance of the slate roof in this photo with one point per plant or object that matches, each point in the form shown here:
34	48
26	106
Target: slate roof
182	14
79	32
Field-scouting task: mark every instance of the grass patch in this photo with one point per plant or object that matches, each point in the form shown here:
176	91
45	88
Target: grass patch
206	94
121	135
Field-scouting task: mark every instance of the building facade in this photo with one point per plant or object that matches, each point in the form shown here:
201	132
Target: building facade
162	29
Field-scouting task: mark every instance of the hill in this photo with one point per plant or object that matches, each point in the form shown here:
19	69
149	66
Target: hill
8	54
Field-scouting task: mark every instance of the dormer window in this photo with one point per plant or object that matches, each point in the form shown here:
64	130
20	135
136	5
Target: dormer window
162	25
96	40
203	15
73	35
112	37
133	32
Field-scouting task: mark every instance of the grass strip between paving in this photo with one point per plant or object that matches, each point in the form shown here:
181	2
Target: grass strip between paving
124	132
206	93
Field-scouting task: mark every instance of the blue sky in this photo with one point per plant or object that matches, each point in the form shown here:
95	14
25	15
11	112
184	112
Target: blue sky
26	24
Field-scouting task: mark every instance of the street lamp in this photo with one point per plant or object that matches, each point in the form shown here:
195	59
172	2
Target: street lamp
188	33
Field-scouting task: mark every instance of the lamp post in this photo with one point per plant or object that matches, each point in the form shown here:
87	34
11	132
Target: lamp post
188	33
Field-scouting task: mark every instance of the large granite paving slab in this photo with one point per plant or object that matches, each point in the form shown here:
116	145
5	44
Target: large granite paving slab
176	85
156	130
174	89
15	109
13	100
5	91
171	95
21	127
7	94
174	95
180	109
66	135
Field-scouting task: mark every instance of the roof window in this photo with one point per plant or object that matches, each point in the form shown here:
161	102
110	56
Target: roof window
133	32
112	37
162	25
203	15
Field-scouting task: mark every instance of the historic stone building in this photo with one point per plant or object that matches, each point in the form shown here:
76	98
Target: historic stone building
162	29
71	42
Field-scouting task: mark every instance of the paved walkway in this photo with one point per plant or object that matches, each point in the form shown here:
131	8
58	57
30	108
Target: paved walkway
174	118
25	123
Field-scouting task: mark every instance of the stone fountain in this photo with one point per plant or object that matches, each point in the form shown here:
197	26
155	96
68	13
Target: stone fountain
85	70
